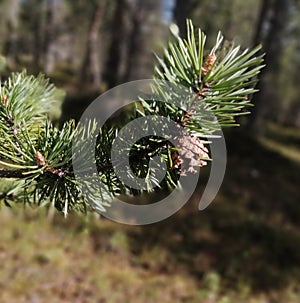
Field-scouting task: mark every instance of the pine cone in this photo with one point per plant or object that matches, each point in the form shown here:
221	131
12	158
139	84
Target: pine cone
208	64
4	100
40	160
191	154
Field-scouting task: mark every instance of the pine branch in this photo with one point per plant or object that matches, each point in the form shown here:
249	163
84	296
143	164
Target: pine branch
220	81
14	174
37	157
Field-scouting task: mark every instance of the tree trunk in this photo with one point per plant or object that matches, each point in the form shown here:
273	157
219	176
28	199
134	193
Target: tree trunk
91	68
135	43
51	33
265	100
183	10
119	32
146	30
12	24
37	16
265	8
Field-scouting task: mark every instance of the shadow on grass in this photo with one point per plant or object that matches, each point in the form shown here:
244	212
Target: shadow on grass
287	136
250	235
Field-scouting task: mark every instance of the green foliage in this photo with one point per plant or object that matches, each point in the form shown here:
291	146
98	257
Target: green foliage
38	156
27	100
26	133
221	81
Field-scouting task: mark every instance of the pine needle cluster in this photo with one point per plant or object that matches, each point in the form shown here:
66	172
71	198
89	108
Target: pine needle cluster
36	156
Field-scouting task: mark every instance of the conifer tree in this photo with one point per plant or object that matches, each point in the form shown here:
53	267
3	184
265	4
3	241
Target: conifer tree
36	156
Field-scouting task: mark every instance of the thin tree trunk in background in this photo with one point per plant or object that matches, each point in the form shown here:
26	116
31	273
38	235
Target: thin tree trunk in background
51	32
146	29
91	68
37	44
11	47
13	20
266	99
37	37
135	43
113	74
229	22
183	10
265	8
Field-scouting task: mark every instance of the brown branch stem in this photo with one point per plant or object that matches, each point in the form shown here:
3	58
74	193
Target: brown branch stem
16	174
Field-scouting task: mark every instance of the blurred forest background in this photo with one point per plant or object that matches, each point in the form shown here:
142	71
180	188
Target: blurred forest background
246	246
90	46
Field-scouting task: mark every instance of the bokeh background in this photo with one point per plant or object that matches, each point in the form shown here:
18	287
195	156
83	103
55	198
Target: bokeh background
245	247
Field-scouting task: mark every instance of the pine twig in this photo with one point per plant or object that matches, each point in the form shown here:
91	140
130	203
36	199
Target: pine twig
14	174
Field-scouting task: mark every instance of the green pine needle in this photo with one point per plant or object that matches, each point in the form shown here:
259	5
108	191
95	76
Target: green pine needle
37	157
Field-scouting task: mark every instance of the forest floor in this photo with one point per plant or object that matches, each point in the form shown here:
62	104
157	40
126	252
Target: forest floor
244	248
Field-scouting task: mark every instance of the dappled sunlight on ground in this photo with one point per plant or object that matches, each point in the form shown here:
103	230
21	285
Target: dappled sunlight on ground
245	247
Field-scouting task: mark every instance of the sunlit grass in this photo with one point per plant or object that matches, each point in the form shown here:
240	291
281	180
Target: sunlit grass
289	152
284	140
